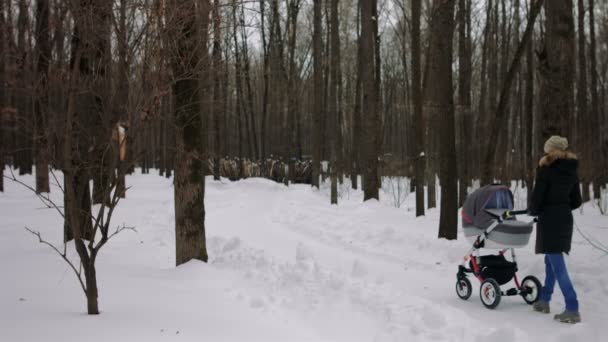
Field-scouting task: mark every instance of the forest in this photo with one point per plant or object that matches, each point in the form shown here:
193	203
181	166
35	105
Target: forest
449	95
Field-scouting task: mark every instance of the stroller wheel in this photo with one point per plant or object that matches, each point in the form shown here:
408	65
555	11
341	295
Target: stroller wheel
490	293
530	288
463	288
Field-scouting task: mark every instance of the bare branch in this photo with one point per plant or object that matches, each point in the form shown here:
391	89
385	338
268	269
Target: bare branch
63	256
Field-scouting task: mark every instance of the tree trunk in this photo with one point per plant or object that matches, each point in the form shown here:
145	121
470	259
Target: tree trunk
419	125
557	68
333	109
371	121
189	156
498	121
464	97
292	104
42	98
582	120
317	92
217	100
3	91
438	102
92	293
25	133
595	121
356	140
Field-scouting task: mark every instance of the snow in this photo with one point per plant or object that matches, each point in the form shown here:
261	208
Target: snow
284	266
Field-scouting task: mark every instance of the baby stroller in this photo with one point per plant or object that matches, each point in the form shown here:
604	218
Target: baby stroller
488	221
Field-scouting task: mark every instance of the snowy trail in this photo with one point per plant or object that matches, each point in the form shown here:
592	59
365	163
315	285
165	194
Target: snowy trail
286	266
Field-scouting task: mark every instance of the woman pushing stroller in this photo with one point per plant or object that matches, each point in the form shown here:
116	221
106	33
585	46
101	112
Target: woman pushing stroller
556	193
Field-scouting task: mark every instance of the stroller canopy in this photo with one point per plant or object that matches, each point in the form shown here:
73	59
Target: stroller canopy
487	197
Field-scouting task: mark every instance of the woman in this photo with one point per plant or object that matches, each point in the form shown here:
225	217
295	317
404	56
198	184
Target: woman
556	193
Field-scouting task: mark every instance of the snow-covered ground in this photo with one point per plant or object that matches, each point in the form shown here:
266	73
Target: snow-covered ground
284	266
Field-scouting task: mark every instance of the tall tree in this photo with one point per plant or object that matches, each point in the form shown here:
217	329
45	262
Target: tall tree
557	69
218	102
497	122
596	114
293	114
317	56
3	91
41	103
439	103
189	155
582	119
23	99
371	116
333	108
464	95
419	155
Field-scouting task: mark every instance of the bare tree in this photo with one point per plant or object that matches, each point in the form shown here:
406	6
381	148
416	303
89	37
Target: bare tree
41	103
318	89
582	120
189	155
333	107
557	69
419	151
3	90
439	103
371	117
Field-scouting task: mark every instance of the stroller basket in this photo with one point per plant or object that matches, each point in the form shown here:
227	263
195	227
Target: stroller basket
497	268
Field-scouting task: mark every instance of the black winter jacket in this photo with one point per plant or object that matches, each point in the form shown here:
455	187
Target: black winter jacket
556	193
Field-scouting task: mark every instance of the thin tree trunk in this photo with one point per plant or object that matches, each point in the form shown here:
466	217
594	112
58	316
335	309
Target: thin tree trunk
317	92
333	109
596	114
41	103
582	121
217	76
3	91
419	125
356	141
464	97
498	121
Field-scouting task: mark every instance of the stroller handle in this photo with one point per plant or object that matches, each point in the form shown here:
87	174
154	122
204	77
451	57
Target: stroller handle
515	212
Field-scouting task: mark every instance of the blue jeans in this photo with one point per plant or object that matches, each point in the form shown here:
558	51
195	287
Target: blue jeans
555	270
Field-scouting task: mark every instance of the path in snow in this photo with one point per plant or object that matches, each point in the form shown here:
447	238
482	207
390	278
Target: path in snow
284	265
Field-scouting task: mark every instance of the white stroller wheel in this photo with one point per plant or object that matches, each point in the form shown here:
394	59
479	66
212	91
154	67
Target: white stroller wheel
490	293
531	289
463	288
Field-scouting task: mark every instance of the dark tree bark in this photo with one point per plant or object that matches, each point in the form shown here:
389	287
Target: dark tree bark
464	97
356	141
557	68
189	156
124	93
3	91
582	120
528	124
419	125
41	103
371	120
23	97
317	91
596	114
439	103
333	108
217	89
293	114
